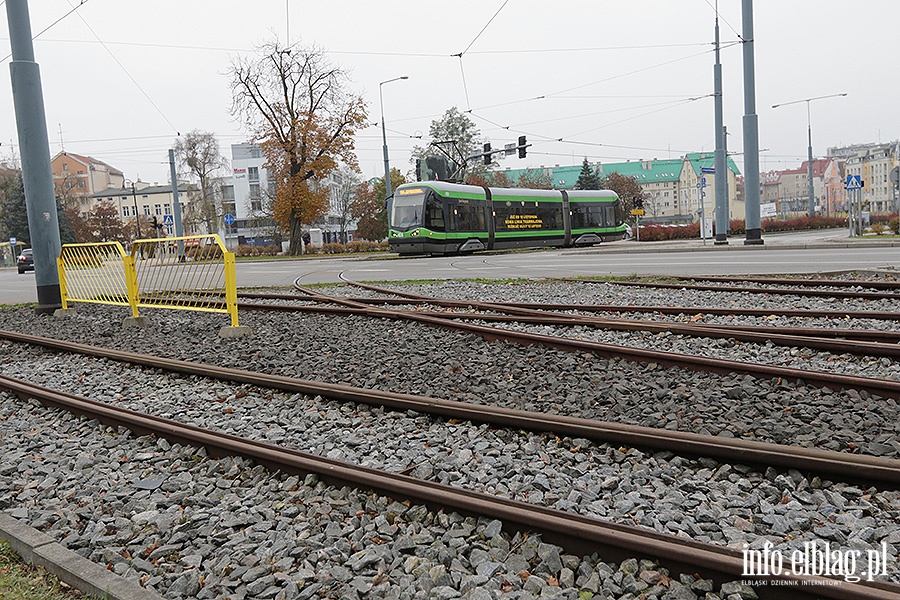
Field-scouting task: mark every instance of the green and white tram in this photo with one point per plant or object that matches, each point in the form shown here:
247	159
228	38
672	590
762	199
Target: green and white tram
435	217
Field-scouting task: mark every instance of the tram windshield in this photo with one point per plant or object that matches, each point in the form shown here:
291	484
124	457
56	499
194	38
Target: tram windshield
408	208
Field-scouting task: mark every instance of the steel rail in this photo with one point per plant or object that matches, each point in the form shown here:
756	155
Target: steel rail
839	341
574	532
873	343
554	317
875	285
615	308
845	465
748	290
879	387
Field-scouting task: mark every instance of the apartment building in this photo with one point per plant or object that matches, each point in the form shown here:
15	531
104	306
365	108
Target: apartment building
674	189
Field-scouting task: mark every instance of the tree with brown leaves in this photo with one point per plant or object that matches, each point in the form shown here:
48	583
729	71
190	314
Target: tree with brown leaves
297	107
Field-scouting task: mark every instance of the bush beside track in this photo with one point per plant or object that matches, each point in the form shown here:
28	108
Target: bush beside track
656	233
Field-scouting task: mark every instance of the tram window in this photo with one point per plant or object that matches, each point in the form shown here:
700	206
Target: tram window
471	218
434	214
407	211
587	215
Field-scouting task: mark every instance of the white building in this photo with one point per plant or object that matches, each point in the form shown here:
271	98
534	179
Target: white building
248	193
246	197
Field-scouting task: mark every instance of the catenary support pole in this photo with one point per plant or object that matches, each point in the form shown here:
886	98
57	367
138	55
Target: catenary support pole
34	148
812	192
721	177
176	206
751	132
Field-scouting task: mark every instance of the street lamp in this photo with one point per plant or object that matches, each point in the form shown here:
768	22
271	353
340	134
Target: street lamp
812	197
387	167
137	217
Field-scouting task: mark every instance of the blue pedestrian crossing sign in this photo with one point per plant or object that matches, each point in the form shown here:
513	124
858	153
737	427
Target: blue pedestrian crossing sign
168	220
854	182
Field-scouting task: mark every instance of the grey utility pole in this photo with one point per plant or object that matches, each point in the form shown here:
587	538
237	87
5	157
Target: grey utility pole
34	148
176	206
751	132
720	161
809	170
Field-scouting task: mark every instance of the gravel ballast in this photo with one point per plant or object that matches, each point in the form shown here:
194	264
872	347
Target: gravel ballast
725	504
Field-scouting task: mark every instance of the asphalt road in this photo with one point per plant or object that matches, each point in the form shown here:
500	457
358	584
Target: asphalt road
801	252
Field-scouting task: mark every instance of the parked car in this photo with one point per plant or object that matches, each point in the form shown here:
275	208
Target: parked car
25	262
629	233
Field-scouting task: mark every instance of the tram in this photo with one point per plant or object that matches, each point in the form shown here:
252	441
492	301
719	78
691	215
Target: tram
436	217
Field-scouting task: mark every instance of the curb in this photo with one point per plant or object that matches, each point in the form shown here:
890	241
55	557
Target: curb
88	577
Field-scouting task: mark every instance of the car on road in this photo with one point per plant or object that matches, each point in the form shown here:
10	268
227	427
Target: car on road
629	233
25	262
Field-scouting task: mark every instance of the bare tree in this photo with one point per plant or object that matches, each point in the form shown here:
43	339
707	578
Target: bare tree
342	197
297	106
198	151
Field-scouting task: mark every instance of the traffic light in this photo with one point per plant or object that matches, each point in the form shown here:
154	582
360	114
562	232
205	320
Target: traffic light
487	154
522	146
639	203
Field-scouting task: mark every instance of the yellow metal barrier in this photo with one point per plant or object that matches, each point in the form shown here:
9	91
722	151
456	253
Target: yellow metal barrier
96	273
201	278
183	273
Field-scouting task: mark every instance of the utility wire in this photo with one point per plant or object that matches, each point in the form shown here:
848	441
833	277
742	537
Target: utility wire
45	29
718	14
460	55
483	29
121	66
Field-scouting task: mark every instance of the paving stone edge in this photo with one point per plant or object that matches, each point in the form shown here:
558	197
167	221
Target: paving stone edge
41	550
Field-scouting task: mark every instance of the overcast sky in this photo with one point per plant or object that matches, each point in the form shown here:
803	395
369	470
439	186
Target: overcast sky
614	80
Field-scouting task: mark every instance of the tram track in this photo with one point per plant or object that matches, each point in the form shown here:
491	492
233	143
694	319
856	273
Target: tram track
856	467
575	533
802	292
791	593
832	381
867	342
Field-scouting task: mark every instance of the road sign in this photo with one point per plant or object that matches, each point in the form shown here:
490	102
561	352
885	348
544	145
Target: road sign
229	219
168	220
12	241
707	170
703	182
637	212
509	149
854	182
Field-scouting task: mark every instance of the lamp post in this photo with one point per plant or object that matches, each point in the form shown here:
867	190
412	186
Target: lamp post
387	166
812	197
137	217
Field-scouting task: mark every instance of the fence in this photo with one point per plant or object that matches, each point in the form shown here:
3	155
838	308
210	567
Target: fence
183	273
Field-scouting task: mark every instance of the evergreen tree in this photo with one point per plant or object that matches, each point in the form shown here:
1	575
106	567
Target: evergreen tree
13	216
587	179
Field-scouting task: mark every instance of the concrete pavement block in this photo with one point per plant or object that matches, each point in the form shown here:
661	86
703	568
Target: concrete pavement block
41	550
22	538
87	576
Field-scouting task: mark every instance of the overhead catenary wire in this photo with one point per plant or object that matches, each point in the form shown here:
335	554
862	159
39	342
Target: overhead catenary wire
51	25
127	73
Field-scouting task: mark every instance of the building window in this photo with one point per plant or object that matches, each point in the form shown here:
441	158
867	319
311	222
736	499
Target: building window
254	190
255	205
65	166
253	173
168	209
125	211
147	210
158	209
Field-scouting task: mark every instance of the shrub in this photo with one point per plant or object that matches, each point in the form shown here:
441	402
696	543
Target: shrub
247	250
362	246
894	224
333	249
878	228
